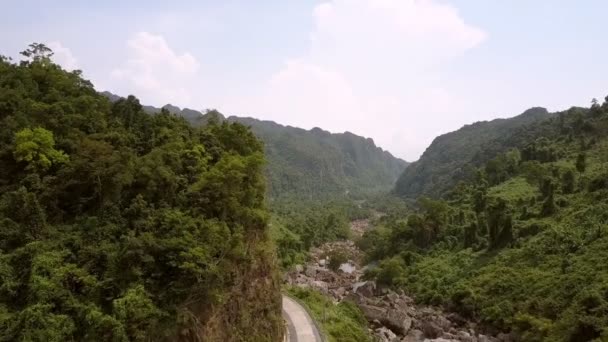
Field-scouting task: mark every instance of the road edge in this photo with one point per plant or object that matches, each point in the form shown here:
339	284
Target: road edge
321	332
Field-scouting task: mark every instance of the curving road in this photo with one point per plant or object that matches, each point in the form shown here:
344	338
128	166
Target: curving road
300	326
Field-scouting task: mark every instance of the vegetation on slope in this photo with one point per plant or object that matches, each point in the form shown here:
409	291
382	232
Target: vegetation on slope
311	163
523	245
453	157
120	226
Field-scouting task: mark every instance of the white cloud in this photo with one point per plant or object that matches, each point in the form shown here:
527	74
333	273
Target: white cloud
154	72
374	68
63	56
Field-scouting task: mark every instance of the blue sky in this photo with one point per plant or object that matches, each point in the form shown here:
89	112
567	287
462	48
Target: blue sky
398	71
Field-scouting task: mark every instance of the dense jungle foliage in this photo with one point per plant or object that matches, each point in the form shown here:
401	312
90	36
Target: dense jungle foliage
116	225
521	246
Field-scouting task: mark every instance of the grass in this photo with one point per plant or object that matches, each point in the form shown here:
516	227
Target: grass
341	322
513	190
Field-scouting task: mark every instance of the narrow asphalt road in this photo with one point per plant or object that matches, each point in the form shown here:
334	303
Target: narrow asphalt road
300	326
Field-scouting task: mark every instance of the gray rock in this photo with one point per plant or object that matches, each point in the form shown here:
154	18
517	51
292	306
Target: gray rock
320	285
366	288
505	337
397	321
385	335
372	313
339	292
465	337
311	271
431	329
484	338
414	335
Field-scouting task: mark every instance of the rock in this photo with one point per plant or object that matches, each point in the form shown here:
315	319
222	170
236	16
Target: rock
484	338
320	285
372	313
311	271
465	337
366	288
443	323
431	329
322	262
505	337
339	292
457	319
385	335
414	335
397	321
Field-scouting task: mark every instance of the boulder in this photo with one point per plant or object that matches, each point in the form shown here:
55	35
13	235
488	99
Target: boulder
366	288
299	268
372	313
311	271
320	286
397	321
339	292
484	338
457	319
431	329
465	337
506	337
414	335
385	335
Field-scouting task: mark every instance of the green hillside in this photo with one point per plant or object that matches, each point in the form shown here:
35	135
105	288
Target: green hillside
454	156
311	163
522	246
315	162
116	225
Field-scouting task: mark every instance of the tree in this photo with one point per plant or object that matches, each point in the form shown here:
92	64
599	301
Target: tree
499	225
470	235
568	182
549	207
38	52
479	201
37	148
581	162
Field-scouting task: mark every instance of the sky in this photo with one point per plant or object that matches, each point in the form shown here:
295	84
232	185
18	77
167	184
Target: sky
398	71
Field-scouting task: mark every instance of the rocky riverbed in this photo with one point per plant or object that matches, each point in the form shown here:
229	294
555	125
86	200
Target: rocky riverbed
392	316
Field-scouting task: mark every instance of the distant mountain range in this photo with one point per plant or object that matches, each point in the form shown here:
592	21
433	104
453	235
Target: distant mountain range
310	163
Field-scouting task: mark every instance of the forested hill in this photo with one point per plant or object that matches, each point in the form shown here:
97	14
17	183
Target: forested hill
116	225
521	248
311	163
453	157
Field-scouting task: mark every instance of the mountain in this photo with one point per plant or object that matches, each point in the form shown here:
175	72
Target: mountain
453	156
520	248
117	225
311	163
